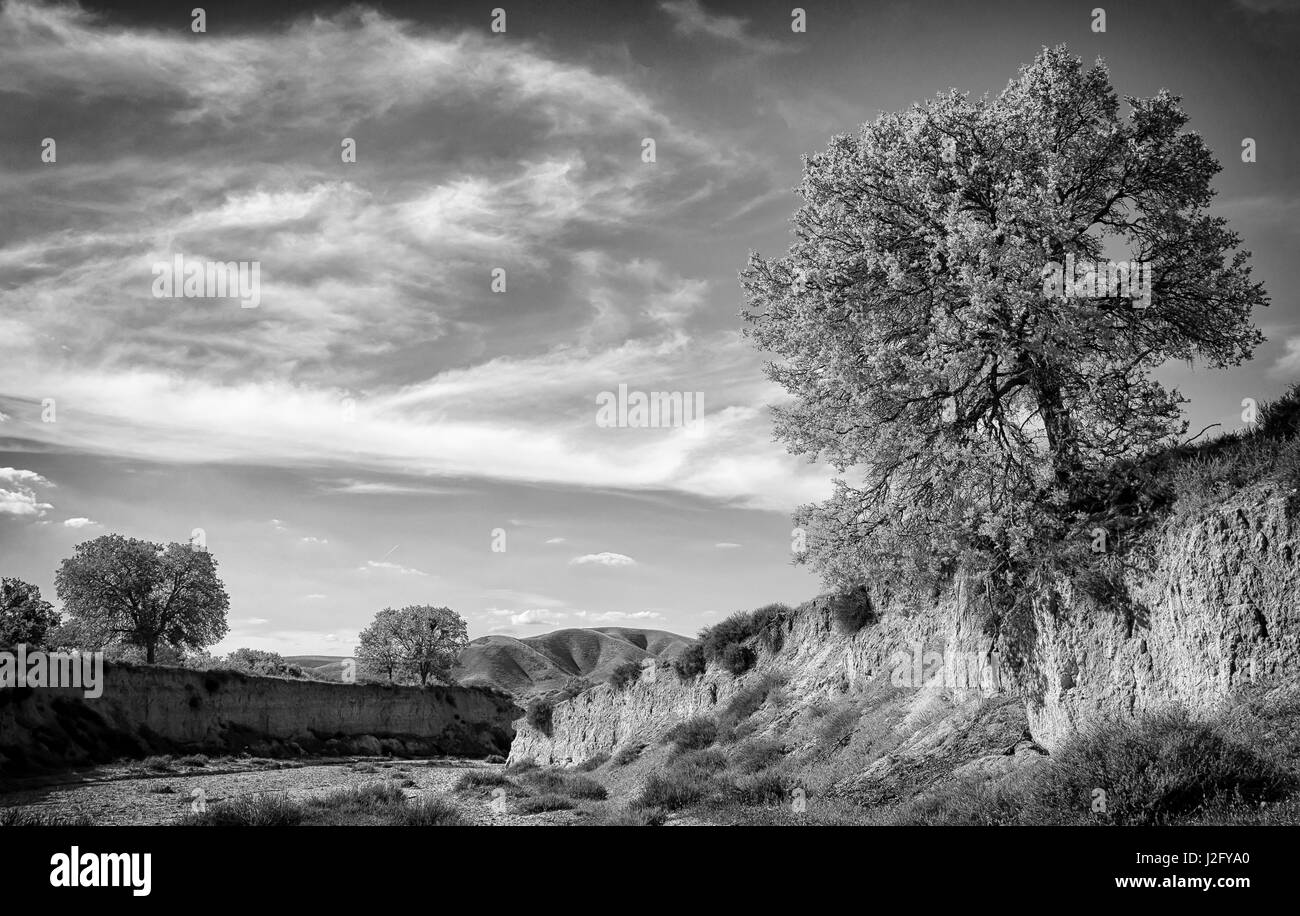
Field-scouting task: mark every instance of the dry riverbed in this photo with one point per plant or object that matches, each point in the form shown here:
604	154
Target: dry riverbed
129	794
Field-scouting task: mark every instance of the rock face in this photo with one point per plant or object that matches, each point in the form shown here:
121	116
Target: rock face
1219	609
156	710
1212	605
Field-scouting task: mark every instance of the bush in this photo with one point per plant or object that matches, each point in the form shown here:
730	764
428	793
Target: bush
494	758
673	790
837	724
584	787
522	765
852	610
737	658
747	701
629	817
627	753
430	812
691	662
539	803
594	762
31	817
692	734
761	789
737	628
1156	770
769	623
625	675
480	779
757	754
539	713
249	811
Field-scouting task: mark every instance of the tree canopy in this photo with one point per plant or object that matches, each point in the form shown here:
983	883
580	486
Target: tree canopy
977	404
24	616
122	590
414	643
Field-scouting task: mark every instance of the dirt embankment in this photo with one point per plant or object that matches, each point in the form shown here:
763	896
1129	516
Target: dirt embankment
152	710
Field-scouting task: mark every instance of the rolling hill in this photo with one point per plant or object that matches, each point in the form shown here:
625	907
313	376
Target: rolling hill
539	664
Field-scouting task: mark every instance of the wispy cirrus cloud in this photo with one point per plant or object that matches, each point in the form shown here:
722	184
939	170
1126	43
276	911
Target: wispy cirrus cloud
691	18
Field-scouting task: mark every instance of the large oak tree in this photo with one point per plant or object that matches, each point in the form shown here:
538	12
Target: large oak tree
911	323
122	590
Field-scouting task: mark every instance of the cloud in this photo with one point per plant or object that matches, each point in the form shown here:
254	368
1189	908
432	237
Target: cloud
603	559
1288	364
556	540
536	617
726	545
690	18
79	523
617	616
390	567
18	494
314	540
315	596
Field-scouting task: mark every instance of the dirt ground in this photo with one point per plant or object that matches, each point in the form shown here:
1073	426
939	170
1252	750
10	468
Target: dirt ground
123	795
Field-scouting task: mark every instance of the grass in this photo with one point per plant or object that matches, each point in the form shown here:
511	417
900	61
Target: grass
594	762
31	817
537	804
373	804
626	754
693	734
476	780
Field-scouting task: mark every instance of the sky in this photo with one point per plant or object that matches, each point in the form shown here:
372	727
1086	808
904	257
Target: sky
388	426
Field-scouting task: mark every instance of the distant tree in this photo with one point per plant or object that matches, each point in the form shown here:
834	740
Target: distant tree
127	591
24	617
414	643
915	323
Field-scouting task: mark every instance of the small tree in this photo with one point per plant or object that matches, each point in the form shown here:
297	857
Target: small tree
24	617
261	663
125	590
417	642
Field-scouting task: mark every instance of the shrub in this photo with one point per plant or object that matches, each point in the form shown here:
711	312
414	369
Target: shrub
249	811
837	724
539	803
757	754
1155	770
539	712
594	762
522	765
625	675
737	628
692	734
31	817
194	760
430	812
630	816
769	623
627	753
737	658
480	779
760	789
748	700
584	787
494	758
852	610
673	790
691	662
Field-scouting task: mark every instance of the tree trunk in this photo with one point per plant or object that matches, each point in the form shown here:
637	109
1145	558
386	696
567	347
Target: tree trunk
150	650
1058	426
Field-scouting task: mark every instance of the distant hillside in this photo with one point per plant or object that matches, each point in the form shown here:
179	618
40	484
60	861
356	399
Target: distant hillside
540	664
321	667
